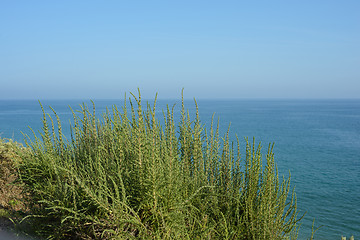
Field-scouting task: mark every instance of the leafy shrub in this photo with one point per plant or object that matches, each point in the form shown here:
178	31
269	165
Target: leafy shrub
127	176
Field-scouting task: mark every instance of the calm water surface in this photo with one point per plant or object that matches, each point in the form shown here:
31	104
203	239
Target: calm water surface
317	140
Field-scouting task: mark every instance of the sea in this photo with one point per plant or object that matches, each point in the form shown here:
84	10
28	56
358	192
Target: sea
316	141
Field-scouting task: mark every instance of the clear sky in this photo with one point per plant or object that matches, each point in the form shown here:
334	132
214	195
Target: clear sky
213	49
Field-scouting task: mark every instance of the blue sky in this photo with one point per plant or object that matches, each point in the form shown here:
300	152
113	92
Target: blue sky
212	49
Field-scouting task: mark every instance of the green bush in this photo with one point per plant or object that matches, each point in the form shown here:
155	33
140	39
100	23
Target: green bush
10	191
126	176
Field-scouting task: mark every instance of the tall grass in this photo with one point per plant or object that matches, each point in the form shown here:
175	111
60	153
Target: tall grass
126	176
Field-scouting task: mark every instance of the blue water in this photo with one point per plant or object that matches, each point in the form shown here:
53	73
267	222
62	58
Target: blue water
317	140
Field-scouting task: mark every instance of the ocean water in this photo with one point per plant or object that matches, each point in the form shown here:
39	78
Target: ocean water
318	141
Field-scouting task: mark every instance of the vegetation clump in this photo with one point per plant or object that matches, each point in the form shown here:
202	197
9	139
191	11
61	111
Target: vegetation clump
128	176
10	189
12	200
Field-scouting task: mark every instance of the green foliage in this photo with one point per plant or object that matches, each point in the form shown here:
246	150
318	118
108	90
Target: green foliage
10	191
126	176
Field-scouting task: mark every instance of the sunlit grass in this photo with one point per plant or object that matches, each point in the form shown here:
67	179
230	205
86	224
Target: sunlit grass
127	176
